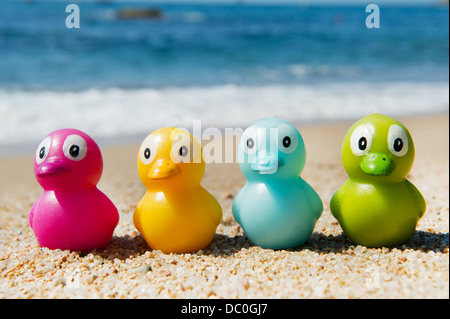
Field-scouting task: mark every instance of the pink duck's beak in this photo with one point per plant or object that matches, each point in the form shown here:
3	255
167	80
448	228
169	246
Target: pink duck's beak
52	168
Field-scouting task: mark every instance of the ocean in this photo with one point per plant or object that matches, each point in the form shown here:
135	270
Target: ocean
227	65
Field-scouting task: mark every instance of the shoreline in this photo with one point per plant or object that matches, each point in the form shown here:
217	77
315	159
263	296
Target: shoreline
328	265
26	148
119	116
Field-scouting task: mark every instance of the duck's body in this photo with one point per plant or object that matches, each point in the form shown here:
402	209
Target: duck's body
176	215
71	219
276	208
378	215
178	220
377	206
277	215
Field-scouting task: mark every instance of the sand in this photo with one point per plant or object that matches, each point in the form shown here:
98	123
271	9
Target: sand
328	265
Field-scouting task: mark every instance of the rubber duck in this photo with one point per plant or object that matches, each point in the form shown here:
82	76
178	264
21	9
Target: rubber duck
72	213
377	206
276	208
176	215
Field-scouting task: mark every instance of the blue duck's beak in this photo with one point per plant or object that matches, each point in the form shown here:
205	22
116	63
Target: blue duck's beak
266	163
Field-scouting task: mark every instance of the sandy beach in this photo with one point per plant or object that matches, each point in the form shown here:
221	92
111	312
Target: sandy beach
327	266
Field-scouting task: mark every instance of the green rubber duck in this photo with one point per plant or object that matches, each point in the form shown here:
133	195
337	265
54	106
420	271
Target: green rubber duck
377	206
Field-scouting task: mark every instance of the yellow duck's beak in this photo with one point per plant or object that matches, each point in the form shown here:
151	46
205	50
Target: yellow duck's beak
163	169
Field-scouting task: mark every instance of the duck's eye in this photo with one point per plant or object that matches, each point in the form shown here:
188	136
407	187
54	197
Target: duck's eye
147	152
287	138
250	140
182	149
397	140
361	139
250	143
398	144
362	143
75	147
43	150
74	150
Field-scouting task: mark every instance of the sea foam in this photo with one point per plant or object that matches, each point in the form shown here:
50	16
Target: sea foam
28	116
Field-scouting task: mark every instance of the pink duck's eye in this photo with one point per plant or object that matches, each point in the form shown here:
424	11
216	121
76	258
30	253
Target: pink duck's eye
75	147
43	150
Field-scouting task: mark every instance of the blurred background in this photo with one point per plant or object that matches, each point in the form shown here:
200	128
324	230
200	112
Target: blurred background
134	66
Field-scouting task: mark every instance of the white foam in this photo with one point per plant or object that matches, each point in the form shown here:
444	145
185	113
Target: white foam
27	116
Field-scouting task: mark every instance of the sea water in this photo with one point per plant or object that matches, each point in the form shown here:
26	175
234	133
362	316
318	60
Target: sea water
226	65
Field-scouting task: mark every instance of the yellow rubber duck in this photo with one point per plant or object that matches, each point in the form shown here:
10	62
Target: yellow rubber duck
176	215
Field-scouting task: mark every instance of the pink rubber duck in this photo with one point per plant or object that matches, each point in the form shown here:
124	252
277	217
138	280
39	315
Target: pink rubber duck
71	213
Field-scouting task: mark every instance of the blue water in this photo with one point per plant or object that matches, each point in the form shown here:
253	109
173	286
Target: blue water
225	65
204	45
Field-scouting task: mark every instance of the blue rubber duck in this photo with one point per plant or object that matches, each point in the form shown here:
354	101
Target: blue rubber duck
276	208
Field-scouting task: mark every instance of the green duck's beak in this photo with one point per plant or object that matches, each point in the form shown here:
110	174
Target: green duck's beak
377	164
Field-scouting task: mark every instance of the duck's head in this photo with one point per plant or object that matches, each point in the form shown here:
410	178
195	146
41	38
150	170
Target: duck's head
378	148
271	148
170	157
68	158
